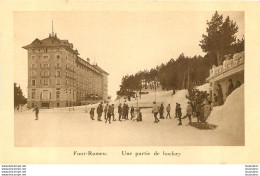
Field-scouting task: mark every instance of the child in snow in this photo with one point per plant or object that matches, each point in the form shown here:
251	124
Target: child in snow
139	115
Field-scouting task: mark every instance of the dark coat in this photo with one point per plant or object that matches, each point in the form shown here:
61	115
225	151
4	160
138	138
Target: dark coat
119	109
109	111
179	111
230	88
161	109
92	111
36	110
220	96
100	109
132	109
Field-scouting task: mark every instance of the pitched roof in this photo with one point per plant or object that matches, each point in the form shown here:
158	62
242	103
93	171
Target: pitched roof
51	41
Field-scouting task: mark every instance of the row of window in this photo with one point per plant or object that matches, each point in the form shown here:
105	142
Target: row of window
47	66
34	50
46	82
45	57
45	73
47	95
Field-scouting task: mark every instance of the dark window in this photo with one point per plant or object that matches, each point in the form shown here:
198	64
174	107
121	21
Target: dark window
58	94
58	104
33	94
33	82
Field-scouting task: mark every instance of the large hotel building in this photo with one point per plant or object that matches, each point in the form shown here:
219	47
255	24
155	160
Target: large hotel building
58	77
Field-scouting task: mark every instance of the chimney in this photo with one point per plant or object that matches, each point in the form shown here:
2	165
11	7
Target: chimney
88	60
49	35
55	34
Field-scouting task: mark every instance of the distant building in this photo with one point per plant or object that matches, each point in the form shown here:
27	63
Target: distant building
58	77
232	68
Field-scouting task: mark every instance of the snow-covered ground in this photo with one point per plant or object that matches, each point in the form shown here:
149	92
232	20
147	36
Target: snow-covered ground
230	116
60	127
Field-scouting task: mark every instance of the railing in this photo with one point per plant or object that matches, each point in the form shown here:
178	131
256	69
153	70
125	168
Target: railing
237	60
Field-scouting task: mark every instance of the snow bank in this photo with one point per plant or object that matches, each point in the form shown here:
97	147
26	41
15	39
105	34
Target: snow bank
230	116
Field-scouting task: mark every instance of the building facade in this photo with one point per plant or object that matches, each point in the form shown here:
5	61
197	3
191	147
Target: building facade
232	69
58	77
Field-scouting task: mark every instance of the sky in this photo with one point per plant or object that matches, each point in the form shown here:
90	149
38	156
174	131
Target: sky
120	42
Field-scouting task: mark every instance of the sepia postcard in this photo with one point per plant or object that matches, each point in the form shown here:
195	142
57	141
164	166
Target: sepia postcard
129	82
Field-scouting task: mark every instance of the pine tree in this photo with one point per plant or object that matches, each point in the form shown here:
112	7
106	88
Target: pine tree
19	98
220	35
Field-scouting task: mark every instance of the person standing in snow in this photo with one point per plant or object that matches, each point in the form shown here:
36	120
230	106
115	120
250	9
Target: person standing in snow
198	108
215	98
176	116
161	111
113	112
99	111
105	111
189	112
209	99
119	112
193	108
168	109
109	114
205	111
179	113
92	113
36	109
155	112
124	111
132	112
139	115
127	111
230	87
220	95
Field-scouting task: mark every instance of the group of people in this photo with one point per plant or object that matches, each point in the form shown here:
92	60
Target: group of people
109	112
199	105
160	110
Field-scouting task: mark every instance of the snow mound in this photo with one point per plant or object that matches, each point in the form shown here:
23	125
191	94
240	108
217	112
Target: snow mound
204	87
230	116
